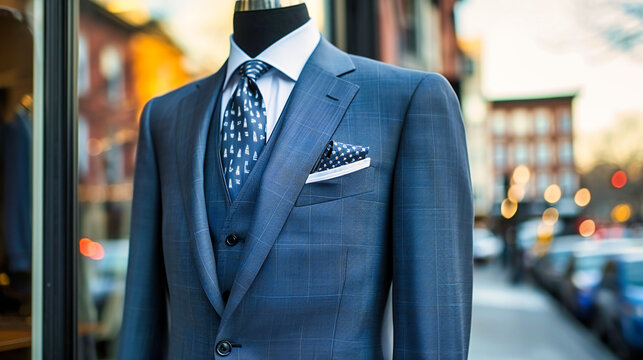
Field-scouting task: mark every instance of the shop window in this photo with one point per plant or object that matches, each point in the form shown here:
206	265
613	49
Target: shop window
500	155
521	154
568	182
542	153
111	68
134	51
565	152
543	121
543	181
566	122
521	122
498	123
16	143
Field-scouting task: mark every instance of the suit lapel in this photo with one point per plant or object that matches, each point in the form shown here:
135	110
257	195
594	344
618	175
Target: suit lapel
195	114
318	102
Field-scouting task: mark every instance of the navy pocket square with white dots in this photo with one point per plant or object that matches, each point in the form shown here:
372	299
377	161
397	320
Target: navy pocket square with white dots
339	159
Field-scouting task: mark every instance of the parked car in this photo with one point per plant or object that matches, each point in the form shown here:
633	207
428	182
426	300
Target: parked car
584	273
618	314
527	233
549	269
486	245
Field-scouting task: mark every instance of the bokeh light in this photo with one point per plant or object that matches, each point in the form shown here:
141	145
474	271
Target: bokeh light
550	216
621	212
582	197
587	228
552	193
516	193
521	174
508	208
96	251
619	179
91	249
4	279
545	233
84	246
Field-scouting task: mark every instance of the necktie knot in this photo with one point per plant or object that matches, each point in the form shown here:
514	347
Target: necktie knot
253	69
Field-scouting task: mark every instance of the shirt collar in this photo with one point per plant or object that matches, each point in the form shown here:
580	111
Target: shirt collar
288	55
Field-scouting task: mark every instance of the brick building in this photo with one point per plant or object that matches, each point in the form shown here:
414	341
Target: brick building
418	34
120	66
537	133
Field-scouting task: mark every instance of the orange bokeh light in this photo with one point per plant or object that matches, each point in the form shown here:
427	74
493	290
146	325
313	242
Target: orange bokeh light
84	246
587	228
621	213
619	179
96	251
91	249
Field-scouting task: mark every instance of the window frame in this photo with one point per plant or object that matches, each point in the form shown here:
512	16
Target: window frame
55	225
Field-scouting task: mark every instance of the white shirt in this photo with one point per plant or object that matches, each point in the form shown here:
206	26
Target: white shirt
287	57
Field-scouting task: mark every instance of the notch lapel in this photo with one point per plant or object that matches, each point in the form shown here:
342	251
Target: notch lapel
318	102
195	114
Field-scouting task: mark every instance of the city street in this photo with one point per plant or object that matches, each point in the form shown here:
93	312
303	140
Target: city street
524	322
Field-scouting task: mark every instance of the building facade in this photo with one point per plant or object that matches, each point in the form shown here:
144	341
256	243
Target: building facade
417	34
535	132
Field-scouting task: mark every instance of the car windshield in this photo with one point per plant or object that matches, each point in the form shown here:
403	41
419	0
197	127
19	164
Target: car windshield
481	233
634	273
588	263
560	260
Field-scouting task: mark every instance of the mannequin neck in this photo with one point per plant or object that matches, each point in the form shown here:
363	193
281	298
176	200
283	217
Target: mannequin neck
255	31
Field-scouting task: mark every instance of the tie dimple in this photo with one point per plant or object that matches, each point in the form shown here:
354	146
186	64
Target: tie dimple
253	69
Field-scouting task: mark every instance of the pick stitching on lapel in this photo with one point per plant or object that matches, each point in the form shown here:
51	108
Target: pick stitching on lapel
195	114
319	101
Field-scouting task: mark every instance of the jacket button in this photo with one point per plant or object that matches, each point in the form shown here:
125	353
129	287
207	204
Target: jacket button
225	295
224	347
232	240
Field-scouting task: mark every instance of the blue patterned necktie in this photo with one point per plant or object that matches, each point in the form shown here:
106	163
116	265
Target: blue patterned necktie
244	127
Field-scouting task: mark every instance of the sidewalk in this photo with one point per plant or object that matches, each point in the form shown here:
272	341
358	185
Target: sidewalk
523	322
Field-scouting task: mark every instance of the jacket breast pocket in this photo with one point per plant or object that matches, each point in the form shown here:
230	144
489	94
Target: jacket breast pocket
355	183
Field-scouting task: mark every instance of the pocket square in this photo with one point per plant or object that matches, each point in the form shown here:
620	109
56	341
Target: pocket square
339	159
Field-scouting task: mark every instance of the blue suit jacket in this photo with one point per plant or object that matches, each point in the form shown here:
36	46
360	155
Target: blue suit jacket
319	257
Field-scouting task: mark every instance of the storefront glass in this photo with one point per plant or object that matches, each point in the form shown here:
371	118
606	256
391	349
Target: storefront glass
128	52
16	144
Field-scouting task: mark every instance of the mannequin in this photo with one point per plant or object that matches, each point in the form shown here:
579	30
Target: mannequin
305	265
260	23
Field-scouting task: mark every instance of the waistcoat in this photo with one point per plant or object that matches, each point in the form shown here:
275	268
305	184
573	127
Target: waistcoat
225	218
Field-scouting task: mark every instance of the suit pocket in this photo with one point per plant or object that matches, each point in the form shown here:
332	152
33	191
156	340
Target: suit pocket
354	183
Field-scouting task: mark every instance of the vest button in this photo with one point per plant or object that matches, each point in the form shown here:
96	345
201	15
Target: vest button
224	348
232	240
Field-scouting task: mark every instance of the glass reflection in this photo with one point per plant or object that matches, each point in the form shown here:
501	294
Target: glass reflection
16	83
128	52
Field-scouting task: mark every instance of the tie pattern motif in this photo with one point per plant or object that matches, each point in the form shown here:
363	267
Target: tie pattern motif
244	127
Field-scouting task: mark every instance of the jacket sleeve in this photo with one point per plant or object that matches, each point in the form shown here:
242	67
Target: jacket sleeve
144	330
432	230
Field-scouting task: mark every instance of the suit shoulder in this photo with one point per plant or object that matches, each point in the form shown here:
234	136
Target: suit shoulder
162	105
437	82
405	85
396	77
177	94
370	67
